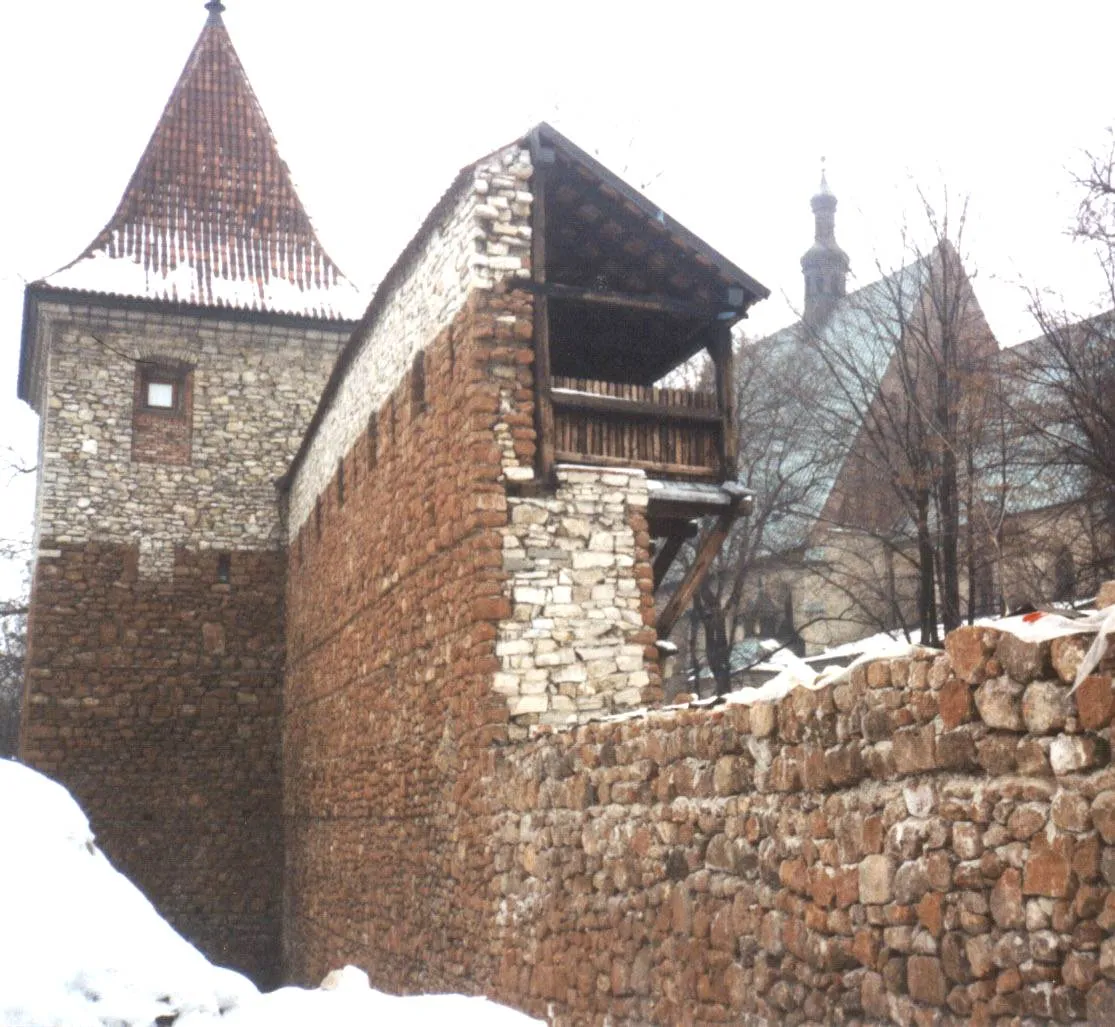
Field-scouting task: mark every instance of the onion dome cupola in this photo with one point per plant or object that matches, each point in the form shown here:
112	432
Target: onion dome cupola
824	265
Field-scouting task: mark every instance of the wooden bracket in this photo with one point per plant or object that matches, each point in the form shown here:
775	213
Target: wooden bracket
711	541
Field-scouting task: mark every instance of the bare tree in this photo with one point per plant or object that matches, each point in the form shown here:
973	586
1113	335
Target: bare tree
13	619
907	360
1062	402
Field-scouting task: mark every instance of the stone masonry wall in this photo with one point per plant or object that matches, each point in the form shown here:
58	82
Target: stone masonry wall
395	594
931	842
155	631
157	701
483	239
254	387
580	639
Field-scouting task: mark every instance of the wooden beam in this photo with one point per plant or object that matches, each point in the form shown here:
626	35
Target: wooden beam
542	159
661	528
658	304
566	456
720	350
665	556
569	399
707	549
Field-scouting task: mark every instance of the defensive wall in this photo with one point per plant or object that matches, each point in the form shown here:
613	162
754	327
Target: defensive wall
474	801
440	602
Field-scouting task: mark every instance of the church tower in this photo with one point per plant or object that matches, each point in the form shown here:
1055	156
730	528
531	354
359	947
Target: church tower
824	265
174	366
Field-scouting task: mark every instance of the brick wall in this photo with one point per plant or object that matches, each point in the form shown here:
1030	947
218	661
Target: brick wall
157	703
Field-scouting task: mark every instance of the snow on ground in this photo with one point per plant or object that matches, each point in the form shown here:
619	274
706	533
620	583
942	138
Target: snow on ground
80	946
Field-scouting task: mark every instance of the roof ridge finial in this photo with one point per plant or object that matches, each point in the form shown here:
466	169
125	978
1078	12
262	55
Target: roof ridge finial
215	9
825	190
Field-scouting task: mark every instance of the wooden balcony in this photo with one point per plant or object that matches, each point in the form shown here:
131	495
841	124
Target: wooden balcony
675	433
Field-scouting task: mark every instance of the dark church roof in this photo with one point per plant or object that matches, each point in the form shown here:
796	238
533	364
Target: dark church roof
210	216
859	334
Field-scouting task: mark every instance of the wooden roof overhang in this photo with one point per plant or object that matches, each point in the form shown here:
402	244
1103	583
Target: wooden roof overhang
633	293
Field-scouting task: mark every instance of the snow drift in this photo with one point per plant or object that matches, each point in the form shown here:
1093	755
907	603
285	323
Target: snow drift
80	946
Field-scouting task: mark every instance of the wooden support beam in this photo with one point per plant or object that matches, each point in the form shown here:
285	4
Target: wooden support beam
542	158
569	399
720	350
665	556
630	301
707	548
567	456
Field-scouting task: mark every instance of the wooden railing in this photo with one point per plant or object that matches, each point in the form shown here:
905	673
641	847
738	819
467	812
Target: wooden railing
673	432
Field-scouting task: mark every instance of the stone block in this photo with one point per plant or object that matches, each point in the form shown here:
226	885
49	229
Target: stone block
1103	815
999	701
925	980
914	749
1045	707
876	880
1066	654
956	750
1048	871
1070	754
1095	702
1024	661
954	702
1006	900
969	649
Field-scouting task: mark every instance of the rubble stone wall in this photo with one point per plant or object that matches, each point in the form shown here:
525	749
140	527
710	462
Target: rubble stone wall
481	240
580	639
930	842
156	702
253	389
394	597
155	631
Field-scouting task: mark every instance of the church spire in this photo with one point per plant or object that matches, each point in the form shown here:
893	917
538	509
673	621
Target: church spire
211	217
825	264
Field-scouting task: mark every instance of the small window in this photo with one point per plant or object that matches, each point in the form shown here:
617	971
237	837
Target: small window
224	568
161	389
160	395
341	482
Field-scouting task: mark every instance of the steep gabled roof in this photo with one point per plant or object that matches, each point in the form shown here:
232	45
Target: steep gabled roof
210	216
864	328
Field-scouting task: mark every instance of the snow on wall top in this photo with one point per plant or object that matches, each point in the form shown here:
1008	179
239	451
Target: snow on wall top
210	216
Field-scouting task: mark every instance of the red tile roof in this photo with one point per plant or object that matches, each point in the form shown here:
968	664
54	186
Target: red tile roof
211	216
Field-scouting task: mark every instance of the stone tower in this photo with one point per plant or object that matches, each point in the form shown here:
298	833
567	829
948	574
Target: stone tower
174	366
824	265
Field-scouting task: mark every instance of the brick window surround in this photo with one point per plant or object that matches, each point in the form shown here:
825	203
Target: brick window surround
162	412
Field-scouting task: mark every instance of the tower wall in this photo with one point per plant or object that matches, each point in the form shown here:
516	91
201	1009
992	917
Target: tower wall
155	634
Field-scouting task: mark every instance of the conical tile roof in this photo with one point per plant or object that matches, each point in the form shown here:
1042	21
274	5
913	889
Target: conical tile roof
211	216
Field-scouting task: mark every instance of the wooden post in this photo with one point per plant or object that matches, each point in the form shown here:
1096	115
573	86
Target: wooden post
720	350
541	157
709	546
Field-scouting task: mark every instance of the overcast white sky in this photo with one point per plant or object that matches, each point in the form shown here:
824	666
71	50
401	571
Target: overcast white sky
721	110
